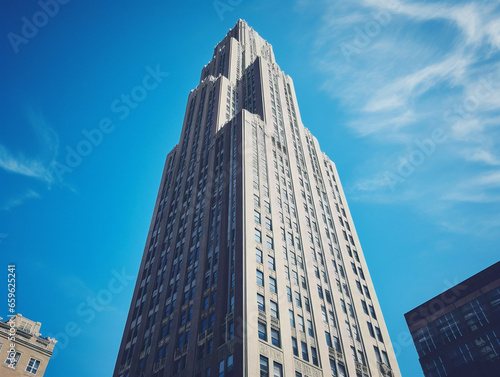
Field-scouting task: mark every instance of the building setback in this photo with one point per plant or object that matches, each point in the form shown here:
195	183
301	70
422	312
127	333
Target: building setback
252	261
457	334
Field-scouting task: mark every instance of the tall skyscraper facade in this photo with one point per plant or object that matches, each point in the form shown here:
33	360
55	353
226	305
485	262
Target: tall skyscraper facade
457	333
252	264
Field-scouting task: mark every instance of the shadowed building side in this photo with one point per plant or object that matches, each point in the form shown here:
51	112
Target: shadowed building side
457	333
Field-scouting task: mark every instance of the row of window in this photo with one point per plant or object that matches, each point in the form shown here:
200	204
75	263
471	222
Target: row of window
32	366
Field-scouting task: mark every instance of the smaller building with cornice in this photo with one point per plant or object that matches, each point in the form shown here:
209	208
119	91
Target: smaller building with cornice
31	352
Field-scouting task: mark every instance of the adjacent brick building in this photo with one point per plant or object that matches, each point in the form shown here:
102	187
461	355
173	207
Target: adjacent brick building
457	334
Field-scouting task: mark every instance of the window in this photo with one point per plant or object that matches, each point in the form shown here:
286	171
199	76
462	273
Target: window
385	359
320	292
13	361
292	318
328	339
348	328
256	200
354	354
346	290
306	303
332	318
328	296
262	331
448	326
358	284
310	328
272	285
256	216
300	321
25	326
377	354
269	223
269	242
267	206
261	304
361	273
365	308
372	312
341	270
323	314
336	343
274	309
351	310
370	328
342	303
260	278
361	357
289	294
221	368
258	236
277	369
305	354
356	255
298	301
379	334
333	368
271	263
367	292
275	337
258	255
314	356
355	332
474	315
229	363
342	372
295	348
264	366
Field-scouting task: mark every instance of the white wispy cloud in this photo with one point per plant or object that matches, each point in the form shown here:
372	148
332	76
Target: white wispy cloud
403	69
481	189
20	199
40	165
481	155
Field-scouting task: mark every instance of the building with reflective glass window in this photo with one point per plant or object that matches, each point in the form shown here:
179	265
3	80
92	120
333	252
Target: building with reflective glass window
252	264
457	334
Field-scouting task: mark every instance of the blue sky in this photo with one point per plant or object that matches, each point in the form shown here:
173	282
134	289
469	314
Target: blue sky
403	96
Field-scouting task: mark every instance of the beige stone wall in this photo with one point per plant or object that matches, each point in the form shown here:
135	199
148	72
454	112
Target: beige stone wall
29	343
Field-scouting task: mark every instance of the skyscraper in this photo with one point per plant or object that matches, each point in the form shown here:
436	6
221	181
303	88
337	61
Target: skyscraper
252	261
457	333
